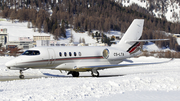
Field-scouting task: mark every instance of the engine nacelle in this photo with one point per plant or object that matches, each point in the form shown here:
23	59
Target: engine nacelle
114	54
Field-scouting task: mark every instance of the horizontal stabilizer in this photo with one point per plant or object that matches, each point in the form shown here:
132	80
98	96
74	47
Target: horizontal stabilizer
132	41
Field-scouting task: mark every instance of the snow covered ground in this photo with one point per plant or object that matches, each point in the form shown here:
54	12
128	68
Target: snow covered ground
178	40
141	83
17	29
150	47
76	37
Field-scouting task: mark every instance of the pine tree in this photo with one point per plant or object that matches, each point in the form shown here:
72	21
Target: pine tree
45	25
80	40
28	24
72	40
39	27
57	33
13	15
83	40
63	31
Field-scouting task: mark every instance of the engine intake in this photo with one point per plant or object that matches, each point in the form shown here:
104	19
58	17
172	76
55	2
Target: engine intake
105	53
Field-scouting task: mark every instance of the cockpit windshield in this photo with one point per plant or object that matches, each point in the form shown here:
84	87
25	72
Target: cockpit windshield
31	52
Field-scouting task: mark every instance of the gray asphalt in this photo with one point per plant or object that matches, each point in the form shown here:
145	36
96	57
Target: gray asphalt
11	78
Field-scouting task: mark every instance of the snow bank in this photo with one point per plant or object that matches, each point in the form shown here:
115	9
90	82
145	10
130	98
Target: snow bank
150	47
82	88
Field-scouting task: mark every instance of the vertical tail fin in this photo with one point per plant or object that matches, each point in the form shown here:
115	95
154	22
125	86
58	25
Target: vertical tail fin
134	32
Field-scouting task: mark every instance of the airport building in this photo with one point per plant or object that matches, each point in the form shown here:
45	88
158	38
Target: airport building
23	43
49	43
3	37
41	37
58	43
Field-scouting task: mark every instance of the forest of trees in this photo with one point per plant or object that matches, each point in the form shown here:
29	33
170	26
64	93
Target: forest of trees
87	15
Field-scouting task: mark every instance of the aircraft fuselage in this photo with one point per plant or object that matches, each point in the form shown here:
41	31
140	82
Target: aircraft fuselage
67	57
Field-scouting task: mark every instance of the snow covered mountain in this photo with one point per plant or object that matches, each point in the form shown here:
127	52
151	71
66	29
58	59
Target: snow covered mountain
170	9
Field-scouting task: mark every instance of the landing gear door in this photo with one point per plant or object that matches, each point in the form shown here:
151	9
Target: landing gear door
51	59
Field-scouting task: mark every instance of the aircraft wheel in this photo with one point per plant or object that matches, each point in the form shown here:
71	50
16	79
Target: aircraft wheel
21	76
75	74
95	74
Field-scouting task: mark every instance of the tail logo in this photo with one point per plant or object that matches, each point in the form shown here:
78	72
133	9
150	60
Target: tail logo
134	48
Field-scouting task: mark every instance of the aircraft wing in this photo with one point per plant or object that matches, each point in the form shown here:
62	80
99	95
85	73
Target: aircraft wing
98	67
129	41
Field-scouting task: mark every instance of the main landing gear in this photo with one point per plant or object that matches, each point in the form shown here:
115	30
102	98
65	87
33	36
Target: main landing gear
95	73
21	76
74	74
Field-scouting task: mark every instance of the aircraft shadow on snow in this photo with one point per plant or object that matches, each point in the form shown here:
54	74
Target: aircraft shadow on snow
52	75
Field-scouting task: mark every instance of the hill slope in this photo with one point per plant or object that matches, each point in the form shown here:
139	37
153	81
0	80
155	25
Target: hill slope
170	9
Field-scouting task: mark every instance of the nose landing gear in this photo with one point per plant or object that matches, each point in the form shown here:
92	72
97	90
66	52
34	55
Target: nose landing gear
21	76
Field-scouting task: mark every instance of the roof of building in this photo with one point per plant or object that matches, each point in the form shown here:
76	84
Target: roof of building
42	35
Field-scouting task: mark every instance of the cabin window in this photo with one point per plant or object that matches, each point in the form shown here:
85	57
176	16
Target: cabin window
60	54
31	52
65	54
80	54
57	44
74	53
70	54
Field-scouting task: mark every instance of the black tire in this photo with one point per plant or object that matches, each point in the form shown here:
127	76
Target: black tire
95	75
21	76
75	74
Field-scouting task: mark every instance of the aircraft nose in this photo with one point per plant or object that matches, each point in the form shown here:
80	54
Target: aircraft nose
10	63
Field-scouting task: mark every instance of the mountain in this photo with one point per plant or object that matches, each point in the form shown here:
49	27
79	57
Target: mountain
52	16
169	9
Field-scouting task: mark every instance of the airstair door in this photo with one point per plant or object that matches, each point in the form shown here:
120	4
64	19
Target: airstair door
52	58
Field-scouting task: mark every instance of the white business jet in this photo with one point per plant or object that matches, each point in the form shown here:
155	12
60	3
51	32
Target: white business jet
81	59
